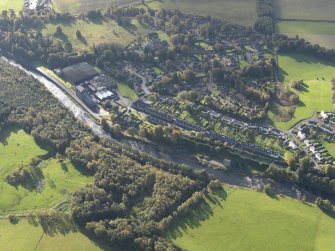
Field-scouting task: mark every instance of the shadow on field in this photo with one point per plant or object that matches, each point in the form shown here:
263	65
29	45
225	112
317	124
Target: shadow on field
199	213
5	133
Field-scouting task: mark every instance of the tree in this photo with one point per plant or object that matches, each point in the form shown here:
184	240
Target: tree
291	161
59	31
324	204
79	35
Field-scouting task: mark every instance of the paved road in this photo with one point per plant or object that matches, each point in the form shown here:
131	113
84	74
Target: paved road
144	80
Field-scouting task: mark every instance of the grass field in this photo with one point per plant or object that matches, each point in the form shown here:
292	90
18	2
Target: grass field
126	91
330	147
249	220
94	33
28	235
317	95
81	6
314	32
307	9
59	179
237	11
16	5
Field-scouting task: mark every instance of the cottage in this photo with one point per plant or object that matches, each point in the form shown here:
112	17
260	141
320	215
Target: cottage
323	115
301	135
292	145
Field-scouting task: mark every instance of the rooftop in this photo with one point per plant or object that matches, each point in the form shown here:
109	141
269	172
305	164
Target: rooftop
79	72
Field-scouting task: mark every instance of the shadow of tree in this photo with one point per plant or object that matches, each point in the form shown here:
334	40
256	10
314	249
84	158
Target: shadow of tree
194	218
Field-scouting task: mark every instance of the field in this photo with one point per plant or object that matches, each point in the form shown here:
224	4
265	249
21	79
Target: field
314	32
126	91
330	147
28	235
93	33
316	96
306	9
81	6
237	11
59	179
16	5
245	219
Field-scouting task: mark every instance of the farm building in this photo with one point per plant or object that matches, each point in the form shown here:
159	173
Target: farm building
78	73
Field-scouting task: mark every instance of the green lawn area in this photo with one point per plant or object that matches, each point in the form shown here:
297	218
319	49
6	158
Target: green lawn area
126	91
330	147
94	33
248	220
59	179
16	5
237	11
314	32
316	96
81	6
26	235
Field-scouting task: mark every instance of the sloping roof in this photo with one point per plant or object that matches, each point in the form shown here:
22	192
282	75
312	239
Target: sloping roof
79	72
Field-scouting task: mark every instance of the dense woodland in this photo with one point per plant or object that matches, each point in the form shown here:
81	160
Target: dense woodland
134	197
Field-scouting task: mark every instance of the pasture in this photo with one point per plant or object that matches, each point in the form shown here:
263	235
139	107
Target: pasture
306	9
315	96
242	219
59	178
81	6
16	5
93	33
314	32
237	11
28	234
126	91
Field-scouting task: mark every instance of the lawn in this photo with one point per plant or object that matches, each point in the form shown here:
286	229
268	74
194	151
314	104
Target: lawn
237	11
93	33
16	5
330	147
81	6
126	91
307	9
314	32
316	96
248	220
28	235
59	178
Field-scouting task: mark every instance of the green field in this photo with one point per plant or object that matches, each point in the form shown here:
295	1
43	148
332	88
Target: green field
316	96
94	33
237	11
307	9
81	6
314	32
330	147
28	235
16	5
59	178
249	220
126	91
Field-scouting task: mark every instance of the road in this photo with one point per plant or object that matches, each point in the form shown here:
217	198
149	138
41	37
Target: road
144	81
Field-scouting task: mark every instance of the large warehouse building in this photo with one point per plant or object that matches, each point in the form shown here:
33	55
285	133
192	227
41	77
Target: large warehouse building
78	73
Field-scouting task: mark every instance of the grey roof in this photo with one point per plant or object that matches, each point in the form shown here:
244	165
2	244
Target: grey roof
79	72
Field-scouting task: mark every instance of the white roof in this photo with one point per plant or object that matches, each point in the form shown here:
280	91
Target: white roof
292	145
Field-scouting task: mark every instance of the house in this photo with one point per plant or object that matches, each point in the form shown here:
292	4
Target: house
318	156
323	115
307	143
292	145
312	149
301	135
